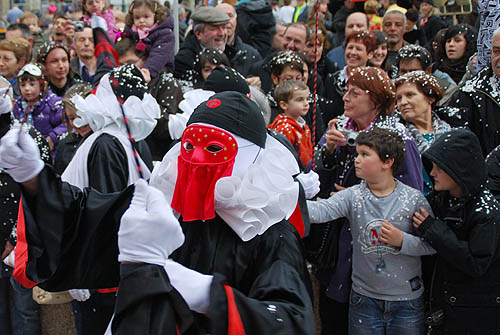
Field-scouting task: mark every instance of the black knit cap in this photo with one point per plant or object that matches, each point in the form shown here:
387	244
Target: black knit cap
235	113
226	79
127	80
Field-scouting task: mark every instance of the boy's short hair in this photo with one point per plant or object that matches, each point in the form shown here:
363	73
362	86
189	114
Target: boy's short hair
386	143
284	91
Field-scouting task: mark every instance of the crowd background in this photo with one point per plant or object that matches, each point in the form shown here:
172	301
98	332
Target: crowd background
267	44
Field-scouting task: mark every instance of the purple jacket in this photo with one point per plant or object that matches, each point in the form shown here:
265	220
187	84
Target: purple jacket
159	46
47	115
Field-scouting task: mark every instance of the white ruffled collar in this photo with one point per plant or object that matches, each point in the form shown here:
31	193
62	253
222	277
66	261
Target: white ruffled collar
248	202
102	110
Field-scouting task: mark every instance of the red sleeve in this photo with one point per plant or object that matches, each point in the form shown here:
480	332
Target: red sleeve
21	251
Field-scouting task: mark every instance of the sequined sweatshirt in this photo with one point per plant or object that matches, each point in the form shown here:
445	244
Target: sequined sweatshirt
379	271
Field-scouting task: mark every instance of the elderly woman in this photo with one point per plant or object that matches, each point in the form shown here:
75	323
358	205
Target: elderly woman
14	54
458	45
359	47
369	102
416	96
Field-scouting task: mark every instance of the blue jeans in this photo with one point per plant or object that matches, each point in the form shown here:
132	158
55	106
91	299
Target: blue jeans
368	316
26	318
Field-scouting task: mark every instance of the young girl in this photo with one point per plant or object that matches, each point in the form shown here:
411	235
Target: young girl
151	26
97	7
38	106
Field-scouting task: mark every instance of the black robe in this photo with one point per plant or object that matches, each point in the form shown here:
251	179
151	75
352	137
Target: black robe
259	286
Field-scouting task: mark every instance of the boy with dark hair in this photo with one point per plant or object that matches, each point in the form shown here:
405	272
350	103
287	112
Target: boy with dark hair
387	290
292	97
464	230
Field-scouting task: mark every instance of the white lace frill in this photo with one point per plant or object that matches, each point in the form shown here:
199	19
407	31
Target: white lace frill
264	196
101	110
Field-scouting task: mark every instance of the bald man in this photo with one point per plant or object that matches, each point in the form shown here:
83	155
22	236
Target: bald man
356	21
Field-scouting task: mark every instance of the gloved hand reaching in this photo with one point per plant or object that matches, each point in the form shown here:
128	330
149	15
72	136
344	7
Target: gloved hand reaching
192	285
310	183
149	231
5	101
98	22
19	156
79	294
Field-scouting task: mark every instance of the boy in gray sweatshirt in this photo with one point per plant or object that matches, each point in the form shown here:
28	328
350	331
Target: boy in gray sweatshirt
387	290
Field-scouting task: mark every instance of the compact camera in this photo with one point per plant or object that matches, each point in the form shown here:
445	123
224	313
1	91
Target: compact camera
350	136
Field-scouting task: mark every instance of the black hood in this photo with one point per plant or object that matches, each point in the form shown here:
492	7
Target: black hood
458	153
493	165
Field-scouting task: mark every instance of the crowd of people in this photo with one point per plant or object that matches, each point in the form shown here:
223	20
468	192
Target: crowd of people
329	167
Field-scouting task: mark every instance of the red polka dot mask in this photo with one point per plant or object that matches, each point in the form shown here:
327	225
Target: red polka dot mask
207	155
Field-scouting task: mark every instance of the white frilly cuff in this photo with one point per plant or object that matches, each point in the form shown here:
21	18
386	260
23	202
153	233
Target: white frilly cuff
102	110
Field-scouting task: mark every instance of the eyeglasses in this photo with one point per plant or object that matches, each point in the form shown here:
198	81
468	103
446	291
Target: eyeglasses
31	69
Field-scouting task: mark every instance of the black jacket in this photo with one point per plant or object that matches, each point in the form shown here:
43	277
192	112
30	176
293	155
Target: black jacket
464	279
483	108
241	56
186	58
256	25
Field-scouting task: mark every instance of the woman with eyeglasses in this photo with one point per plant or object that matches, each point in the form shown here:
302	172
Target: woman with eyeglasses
359	48
369	103
39	106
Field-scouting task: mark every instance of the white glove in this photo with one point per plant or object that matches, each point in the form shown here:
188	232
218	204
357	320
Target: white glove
5	101
310	183
149	232
19	156
10	260
80	294
98	22
192	285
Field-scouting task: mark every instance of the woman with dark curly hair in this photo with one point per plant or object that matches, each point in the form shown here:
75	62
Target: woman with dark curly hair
458	45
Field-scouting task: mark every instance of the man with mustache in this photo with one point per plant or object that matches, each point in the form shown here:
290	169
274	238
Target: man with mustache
480	96
209	31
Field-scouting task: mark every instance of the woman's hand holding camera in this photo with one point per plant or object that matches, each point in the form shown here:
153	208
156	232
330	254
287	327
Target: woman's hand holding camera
334	137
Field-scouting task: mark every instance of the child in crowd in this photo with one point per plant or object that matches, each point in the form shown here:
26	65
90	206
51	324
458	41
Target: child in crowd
76	135
98	7
292	97
387	289
39	106
464	230
208	60
151	26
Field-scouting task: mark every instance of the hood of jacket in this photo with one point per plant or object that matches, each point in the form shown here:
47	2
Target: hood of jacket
493	165
458	153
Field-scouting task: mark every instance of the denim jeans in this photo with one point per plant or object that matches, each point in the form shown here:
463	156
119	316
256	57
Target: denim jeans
368	316
26	318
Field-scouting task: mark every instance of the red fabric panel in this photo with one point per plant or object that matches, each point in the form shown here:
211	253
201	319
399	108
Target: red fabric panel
107	290
106	47
21	251
234	323
297	222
